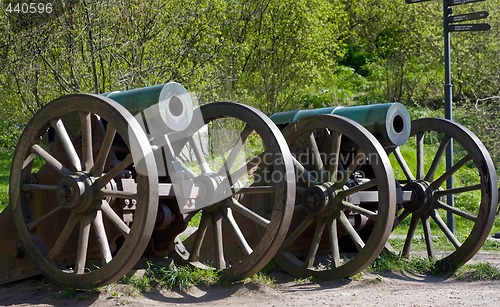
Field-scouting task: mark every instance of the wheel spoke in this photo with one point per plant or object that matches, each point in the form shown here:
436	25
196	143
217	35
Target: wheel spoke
102	238
257	190
29	159
237	232
115	171
238	146
428	236
364	186
247	168
351	231
438	182
67	144
451	237
113	217
318	161
53	162
357	209
194	255
236	205
457	211
298	207
457	190
83	244
34	224
63	237
335	151
410	235
334	243
301	171
420	155
313	249
404	166
437	158
187	170
401	218
218	240
26	187
200	157
117	194
292	237
87	150
103	153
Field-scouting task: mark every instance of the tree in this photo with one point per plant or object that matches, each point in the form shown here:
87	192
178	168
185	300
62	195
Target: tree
280	50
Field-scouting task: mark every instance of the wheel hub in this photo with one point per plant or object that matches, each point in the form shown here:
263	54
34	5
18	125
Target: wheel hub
205	192
319	197
422	195
75	192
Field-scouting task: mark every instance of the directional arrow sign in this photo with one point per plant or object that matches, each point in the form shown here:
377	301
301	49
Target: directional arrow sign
467	17
470	27
458	2
415	1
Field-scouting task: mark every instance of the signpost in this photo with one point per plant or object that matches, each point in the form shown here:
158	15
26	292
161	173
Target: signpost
415	1
449	27
458	2
467	17
470	27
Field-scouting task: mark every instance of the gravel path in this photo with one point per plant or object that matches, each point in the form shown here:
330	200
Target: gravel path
370	290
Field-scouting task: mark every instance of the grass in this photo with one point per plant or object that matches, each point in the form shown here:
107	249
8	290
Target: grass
389	262
171	277
478	272
261	279
182	278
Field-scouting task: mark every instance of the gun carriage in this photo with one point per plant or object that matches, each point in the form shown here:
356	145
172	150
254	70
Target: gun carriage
99	181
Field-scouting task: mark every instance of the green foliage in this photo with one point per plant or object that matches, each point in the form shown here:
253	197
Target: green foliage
141	282
273	54
341	88
478	272
387	262
170	277
483	118
261	279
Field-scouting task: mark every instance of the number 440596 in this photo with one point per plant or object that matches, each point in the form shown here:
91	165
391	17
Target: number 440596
29	8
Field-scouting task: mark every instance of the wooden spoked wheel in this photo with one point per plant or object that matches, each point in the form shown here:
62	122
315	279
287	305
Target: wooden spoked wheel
346	199
83	212
237	156
422	225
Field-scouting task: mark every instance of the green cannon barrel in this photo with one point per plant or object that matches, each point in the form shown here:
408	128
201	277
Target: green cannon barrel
388	122
138	99
167	104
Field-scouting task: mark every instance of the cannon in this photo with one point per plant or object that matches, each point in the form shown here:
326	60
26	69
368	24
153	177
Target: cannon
354	187
97	181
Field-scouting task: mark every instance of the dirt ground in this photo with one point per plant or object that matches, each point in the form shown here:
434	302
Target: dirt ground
370	290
